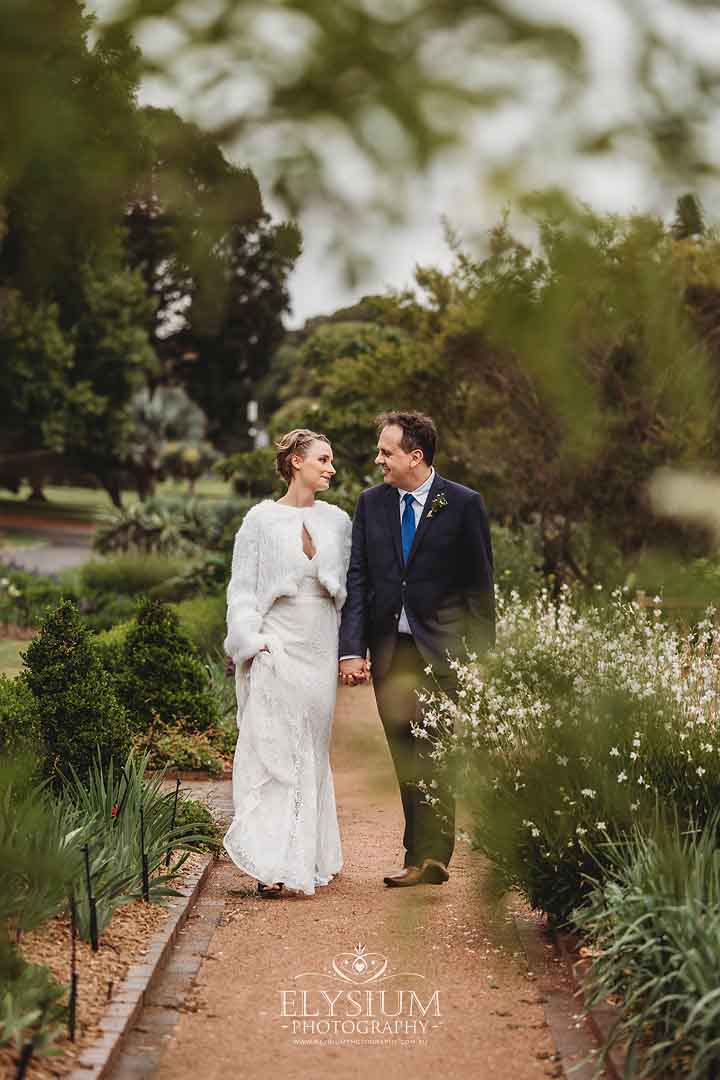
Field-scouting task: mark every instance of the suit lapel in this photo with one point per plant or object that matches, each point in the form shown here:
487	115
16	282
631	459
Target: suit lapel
435	487
392	509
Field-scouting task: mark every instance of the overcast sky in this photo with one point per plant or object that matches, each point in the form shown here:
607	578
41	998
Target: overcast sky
457	187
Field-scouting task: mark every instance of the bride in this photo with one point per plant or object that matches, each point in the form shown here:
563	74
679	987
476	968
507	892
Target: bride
283	602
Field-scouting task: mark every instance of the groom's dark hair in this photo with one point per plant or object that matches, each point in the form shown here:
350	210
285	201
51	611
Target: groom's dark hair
419	431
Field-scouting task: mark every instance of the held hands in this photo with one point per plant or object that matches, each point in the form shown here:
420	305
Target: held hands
355	671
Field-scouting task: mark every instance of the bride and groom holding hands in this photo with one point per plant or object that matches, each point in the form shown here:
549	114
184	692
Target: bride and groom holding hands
397	591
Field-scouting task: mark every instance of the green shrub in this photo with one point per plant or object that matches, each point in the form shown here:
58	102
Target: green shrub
78	709
195	816
183	750
103	612
653	921
19	720
108	803
223	689
162	681
26	597
568	734
172	524
518	559
109	646
130	572
203	620
30	1007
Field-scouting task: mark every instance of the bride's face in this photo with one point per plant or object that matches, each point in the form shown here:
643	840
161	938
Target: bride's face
315	470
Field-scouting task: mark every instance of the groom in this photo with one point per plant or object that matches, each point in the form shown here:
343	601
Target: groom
420	586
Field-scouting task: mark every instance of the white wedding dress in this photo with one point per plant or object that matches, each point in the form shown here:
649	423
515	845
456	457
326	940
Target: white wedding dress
285	824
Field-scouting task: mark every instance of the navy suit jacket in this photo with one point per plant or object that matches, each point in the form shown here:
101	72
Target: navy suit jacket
446	586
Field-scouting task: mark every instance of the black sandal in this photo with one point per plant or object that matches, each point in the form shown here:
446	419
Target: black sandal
270	892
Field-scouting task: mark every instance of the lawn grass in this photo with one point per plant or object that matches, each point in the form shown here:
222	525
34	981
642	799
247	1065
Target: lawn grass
84	503
10	662
13	538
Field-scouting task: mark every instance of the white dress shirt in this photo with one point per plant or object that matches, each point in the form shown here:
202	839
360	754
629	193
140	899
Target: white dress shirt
419	495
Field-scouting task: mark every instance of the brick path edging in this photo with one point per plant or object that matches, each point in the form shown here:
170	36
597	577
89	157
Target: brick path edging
96	1060
600	1018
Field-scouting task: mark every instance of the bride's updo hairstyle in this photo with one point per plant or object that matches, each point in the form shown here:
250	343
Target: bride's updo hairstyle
295	442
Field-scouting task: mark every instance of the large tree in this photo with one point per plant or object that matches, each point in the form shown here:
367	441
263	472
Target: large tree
216	264
560	379
70	144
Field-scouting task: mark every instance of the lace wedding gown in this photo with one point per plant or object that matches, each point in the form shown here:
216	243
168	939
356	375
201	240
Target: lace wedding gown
285	825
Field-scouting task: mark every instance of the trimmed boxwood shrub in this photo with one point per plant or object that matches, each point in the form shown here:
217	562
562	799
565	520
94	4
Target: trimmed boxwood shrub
19	720
79	711
162	680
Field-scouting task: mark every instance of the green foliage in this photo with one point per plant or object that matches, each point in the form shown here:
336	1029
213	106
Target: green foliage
33	380
653	922
19	719
253	472
160	417
30	1007
518	559
171	525
193	814
75	699
129	572
203	620
162	681
569	734
553	375
39	848
223	689
108	802
184	751
205	236
25	597
113	358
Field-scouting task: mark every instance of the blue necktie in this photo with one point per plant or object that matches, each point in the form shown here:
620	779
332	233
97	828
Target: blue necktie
408	525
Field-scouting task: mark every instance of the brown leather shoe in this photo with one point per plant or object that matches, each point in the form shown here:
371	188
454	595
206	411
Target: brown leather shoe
431	872
409	875
434	872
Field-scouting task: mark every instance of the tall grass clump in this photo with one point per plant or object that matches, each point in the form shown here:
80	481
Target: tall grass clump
654	923
570	732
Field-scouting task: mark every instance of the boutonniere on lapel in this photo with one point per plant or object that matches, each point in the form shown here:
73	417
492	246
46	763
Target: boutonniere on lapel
438	504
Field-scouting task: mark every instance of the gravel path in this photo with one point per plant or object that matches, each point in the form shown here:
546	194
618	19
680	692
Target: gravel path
487	1019
61	544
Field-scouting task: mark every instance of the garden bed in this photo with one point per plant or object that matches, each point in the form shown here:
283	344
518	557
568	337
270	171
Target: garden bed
125	941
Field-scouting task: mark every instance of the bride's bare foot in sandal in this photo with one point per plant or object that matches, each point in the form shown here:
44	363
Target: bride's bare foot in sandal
270	892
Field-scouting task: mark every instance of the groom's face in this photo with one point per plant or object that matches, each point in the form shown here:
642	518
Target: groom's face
399	467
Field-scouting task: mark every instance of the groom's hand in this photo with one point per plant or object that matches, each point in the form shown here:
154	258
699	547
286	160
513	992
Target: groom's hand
354	671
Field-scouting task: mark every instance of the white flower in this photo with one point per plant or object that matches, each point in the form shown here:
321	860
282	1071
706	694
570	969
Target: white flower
588	792
601	825
534	831
622	777
562	760
634	805
614	752
700	770
580	831
428	670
